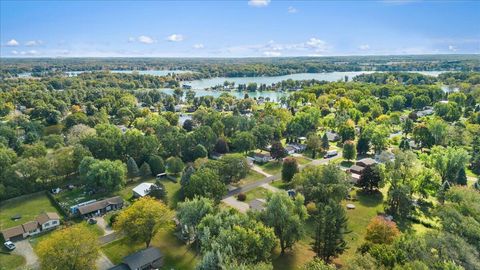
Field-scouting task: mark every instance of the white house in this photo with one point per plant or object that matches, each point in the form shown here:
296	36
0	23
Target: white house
142	190
48	220
262	158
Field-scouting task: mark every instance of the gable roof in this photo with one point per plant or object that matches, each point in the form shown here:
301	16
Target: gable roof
45	217
99	205
366	162
143	257
13	231
30	226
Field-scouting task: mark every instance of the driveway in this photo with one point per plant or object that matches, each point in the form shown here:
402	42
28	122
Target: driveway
104	225
25	249
233	202
103	263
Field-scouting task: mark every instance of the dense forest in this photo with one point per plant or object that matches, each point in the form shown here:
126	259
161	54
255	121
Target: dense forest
101	131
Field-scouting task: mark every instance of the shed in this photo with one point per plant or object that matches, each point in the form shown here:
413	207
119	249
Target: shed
142	190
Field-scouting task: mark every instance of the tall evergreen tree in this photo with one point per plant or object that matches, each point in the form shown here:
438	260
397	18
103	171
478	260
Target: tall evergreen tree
330	229
325	143
132	168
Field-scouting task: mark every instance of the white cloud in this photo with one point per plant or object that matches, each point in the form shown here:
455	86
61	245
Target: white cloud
175	38
364	47
292	10
146	40
272	54
12	43
317	44
32	43
14	52
452	48
198	46
258	3
131	39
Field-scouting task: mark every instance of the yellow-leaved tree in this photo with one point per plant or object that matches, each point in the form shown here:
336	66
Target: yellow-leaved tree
73	248
141	221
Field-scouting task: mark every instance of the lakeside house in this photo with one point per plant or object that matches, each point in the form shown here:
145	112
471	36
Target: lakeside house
99	208
44	222
149	258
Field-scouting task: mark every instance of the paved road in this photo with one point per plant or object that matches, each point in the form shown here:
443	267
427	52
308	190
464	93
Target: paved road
103	263
272	178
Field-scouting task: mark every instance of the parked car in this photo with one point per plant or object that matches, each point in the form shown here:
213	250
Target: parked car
331	153
9	245
56	190
92	221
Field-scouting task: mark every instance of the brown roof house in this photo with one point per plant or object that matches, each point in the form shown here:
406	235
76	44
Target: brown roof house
13	233
32	228
48	220
101	207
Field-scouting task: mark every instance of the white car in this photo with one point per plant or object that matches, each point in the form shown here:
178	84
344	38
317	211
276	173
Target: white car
9	245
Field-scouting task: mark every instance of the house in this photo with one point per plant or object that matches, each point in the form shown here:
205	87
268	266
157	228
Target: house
48	221
101	207
366	162
13	233
290	149
150	258
355	169
142	190
262	158
31	228
257	205
332	136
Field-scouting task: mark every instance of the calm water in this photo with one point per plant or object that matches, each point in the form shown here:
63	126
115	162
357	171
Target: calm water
141	72
274	96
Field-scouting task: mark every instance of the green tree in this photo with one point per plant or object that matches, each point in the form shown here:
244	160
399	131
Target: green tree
156	164
349	150
132	168
243	141
317	264
363	145
325	142
371	179
289	169
314	144
72	248
102	175
448	162
286	217
141	221
145	170
206	183
199	152
330	227
174	165
191	212
278	151
158	191
233	168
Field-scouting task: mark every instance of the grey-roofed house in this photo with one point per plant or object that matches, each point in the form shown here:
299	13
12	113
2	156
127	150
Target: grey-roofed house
101	207
366	162
356	169
149	258
332	136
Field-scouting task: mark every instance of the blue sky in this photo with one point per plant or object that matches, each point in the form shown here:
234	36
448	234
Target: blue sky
238	28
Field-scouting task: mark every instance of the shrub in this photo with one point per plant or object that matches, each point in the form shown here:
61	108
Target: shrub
241	197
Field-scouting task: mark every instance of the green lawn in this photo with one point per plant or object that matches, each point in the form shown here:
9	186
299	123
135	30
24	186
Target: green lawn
29	207
367	207
252	176
177	254
281	185
302	160
272	167
257	193
11	261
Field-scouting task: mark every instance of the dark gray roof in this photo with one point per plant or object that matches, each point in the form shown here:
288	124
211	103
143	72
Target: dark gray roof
121	266
143	257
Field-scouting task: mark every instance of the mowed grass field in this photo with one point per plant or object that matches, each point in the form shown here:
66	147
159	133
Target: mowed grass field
11	261
28	207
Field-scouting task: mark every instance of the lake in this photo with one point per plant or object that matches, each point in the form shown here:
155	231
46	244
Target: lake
274	96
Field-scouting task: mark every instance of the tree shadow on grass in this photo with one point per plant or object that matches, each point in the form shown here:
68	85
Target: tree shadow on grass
369	199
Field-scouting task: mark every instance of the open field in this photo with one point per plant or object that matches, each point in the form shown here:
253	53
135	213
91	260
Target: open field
257	193
28	207
272	167
252	176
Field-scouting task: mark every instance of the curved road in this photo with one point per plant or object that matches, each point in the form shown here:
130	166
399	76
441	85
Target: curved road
272	178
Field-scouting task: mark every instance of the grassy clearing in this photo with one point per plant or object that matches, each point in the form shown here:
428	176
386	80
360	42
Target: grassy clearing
252	176
257	193
302	160
177	255
272	167
281	185
28	207
10	261
367	207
